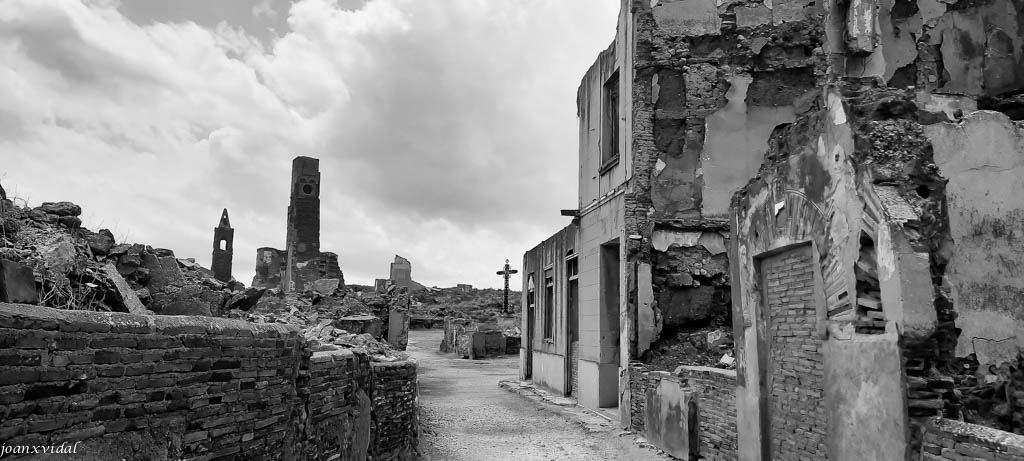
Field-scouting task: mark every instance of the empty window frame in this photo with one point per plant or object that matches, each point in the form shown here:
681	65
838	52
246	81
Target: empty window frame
610	123
549	305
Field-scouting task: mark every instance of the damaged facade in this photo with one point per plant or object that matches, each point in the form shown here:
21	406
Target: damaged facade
301	262
827	187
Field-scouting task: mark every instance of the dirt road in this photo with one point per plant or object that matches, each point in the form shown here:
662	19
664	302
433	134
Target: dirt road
464	415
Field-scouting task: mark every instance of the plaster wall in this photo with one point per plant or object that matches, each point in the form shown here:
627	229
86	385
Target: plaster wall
905	281
604	224
735	144
600	341
864	397
598	384
667	415
549	371
983	158
593	182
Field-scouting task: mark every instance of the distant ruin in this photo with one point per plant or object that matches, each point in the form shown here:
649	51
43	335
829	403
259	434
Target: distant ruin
400	276
223	244
301	262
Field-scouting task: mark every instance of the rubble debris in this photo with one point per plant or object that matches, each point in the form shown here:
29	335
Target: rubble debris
101	242
80	269
245	300
60	209
128	296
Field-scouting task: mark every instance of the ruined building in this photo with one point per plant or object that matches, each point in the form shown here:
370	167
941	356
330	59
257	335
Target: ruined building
301	262
401	274
223	241
822	192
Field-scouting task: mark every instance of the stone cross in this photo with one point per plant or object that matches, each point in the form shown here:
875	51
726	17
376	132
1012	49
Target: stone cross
508	271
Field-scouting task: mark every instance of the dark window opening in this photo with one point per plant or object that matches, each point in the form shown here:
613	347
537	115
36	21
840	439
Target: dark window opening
531	304
572	297
549	305
610	124
610	271
307	189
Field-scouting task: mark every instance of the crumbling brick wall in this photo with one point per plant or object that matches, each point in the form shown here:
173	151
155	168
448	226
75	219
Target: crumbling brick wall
795	368
337	405
950	440
394	410
193	387
714	392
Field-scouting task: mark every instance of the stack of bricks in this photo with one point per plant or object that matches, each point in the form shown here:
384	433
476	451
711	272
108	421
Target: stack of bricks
795	370
200	388
950	440
394	410
715	391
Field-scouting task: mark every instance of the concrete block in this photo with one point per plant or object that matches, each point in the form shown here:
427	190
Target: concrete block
398	329
17	283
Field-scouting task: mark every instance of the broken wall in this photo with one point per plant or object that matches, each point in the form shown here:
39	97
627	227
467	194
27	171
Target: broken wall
806	200
270	267
912	222
986	220
712	80
690	412
187	387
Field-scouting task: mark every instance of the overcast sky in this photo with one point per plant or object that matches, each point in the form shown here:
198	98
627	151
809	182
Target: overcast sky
446	129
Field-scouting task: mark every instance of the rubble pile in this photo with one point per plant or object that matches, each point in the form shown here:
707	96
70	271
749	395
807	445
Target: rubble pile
481	305
991	396
710	346
48	258
332	315
75	268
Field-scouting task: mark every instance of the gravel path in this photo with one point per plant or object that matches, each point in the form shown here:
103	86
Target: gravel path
464	415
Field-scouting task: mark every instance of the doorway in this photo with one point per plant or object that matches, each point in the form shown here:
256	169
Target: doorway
572	296
610	275
531	332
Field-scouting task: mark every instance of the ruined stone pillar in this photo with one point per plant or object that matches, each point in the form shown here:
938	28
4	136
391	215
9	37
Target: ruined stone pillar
223	242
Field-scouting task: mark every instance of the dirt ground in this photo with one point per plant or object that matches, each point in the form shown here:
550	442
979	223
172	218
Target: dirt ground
464	415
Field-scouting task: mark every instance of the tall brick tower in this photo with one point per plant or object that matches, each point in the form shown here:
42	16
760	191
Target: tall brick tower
223	241
303	242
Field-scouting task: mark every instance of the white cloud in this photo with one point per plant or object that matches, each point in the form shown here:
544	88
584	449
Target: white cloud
446	129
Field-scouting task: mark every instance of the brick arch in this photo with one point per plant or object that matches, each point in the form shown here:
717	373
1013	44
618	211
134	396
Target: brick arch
800	220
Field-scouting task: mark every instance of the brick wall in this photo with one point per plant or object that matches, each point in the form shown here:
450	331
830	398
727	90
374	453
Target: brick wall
949	440
190	387
394	410
715	390
795	370
638	377
574	359
715	393
334	386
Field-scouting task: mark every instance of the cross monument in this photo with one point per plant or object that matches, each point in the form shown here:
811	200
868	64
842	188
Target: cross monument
508	271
